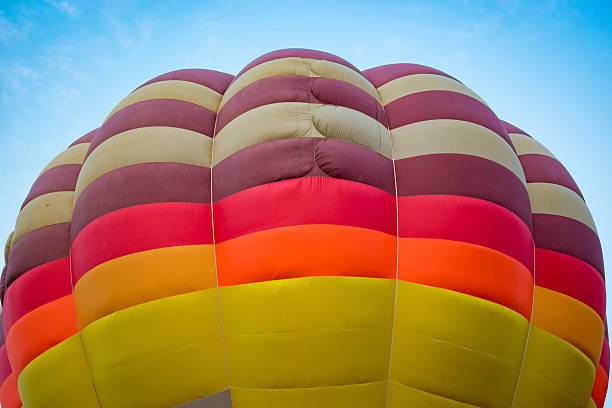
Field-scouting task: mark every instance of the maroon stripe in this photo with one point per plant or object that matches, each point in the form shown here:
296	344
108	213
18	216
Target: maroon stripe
334	92
294	158
297	52
2	285
217	81
386	73
296	88
545	169
37	247
463	175
513	129
85	139
568	236
430	105
59	178
157	112
143	183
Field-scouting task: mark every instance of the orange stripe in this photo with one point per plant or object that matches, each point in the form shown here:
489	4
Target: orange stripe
306	250
39	330
600	388
569	319
467	268
141	277
9	395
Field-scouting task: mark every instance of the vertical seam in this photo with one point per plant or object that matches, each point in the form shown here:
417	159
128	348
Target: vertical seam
396	251
520	373
93	384
212	221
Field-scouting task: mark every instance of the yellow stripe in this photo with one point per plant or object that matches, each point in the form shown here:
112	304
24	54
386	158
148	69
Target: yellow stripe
555	374
47	209
456	346
411	84
72	155
308	332
168	350
58	378
143	276
296	119
345	396
401	396
549	198
454	136
527	145
299	66
172	89
145	145
8	246
569	319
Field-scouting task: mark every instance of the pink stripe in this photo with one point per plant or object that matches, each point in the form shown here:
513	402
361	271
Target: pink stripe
307	200
38	286
139	228
466	219
571	276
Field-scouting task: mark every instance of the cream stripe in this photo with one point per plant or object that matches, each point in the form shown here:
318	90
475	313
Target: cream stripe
47	209
411	84
299	66
527	145
145	145
454	136
72	155
297	119
173	89
548	198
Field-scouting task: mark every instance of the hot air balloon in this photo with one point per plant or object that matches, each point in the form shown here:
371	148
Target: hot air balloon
304	234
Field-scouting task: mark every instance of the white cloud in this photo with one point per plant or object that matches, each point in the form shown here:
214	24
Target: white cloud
65	7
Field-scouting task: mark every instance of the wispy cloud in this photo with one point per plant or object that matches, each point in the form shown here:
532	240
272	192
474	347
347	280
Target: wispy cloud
65	7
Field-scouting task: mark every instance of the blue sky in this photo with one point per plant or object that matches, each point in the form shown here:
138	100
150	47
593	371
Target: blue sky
543	66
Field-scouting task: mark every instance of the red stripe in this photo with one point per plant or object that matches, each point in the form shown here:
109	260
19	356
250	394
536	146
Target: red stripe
297	52
545	169
386	73
59	178
215	80
157	112
573	277
568	236
5	366
140	228
296	88
430	105
466	219
604	360
35	288
307	200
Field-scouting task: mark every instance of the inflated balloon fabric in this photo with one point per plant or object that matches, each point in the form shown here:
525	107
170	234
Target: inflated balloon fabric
304	234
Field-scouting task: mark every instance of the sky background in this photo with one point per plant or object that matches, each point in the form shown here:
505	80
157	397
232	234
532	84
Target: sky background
543	66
